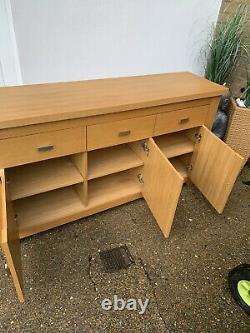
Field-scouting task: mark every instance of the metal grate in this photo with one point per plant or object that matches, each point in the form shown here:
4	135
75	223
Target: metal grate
116	259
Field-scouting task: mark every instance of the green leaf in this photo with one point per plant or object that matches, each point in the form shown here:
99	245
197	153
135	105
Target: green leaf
226	47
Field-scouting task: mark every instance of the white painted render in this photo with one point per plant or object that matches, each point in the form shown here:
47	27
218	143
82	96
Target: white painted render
61	40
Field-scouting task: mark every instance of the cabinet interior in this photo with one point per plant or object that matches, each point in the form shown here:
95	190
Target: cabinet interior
81	184
175	144
34	178
110	160
181	164
178	148
33	213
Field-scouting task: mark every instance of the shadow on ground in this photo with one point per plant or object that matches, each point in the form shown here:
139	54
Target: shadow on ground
185	276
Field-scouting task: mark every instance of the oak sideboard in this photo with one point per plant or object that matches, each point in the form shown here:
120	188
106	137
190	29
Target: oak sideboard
72	149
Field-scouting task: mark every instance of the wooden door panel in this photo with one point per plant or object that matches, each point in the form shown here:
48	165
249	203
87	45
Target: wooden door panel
162	184
215	167
10	242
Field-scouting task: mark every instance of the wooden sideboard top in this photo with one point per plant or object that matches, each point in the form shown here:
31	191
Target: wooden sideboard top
41	103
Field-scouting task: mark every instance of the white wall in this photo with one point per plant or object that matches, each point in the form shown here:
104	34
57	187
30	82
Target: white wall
62	40
9	60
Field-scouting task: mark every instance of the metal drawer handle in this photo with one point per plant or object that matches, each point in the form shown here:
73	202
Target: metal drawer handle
184	120
124	133
45	148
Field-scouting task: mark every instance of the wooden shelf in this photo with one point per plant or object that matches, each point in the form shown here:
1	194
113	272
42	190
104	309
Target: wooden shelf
174	144
122	185
46	208
34	178
106	161
180	167
49	210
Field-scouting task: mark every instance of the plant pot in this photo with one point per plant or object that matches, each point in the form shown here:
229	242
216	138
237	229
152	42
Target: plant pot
238	130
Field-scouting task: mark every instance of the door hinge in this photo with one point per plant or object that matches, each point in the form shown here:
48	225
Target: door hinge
145	147
140	178
198	137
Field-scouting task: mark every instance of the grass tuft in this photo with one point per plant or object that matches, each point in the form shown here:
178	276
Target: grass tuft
226	46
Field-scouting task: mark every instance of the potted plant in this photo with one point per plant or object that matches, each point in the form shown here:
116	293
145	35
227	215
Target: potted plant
222	56
225	47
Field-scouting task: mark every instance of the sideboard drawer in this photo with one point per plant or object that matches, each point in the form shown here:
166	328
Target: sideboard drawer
42	146
118	132
179	120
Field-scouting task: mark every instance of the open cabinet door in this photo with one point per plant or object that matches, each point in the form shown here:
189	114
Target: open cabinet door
10	242
162	184
215	167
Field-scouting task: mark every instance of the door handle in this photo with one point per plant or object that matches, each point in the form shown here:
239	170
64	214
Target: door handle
124	133
45	148
184	120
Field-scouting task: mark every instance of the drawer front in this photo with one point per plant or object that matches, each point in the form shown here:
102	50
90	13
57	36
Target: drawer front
42	146
179	120
118	132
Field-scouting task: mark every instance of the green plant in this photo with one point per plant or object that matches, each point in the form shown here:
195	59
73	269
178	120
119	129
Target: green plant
226	46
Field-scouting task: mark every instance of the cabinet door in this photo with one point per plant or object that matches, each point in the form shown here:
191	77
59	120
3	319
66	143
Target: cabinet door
10	242
215	167
162	184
